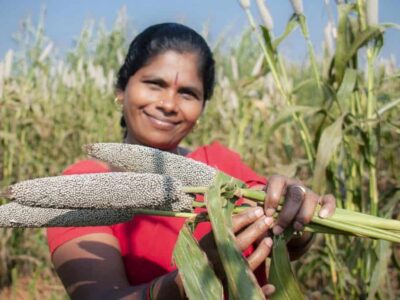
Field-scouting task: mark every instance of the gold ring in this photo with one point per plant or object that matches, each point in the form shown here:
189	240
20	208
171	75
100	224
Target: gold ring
302	188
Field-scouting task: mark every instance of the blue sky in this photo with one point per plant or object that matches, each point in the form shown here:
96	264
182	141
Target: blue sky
65	18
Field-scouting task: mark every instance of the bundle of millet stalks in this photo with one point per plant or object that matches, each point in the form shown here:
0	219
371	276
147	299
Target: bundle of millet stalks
152	182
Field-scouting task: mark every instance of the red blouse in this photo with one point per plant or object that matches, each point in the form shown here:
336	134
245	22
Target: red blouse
147	242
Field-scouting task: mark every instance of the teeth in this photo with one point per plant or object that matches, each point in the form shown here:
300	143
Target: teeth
160	120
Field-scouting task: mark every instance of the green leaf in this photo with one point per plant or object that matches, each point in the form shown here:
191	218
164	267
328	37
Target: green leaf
198	276
290	26
241	280
342	41
286	116
380	271
390	25
346	88
387	107
281	274
289	111
330	139
268	42
361	39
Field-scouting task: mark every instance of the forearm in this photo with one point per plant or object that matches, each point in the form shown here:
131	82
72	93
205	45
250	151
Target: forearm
168	286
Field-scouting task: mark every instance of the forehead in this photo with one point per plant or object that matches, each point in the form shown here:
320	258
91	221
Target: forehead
170	63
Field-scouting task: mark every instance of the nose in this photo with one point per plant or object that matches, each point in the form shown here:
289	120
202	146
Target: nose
168	103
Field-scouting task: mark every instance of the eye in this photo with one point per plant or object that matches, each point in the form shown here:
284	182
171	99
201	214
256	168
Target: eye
153	85
187	96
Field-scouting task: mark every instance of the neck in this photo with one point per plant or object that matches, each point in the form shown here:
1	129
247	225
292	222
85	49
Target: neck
176	150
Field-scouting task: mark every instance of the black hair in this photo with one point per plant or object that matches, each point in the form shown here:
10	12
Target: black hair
160	38
163	37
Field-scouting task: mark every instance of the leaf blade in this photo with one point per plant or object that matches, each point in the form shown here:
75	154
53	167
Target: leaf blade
241	280
198	277
281	274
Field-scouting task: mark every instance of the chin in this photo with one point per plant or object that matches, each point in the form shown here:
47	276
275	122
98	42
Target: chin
162	145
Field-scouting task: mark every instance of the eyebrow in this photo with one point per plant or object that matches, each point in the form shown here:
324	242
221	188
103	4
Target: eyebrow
155	79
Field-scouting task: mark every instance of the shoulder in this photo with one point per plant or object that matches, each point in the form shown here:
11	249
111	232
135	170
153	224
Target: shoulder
86	166
213	153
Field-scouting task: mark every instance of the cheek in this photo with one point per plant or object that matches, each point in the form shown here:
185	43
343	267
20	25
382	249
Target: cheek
137	97
192	110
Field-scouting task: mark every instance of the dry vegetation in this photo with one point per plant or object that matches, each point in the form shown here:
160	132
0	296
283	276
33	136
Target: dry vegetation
332	123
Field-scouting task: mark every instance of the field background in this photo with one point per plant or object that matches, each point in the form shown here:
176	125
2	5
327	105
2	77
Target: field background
332	120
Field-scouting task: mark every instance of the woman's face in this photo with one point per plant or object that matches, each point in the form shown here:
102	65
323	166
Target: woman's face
163	100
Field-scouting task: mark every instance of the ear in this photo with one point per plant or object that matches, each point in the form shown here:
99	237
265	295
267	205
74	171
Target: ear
119	96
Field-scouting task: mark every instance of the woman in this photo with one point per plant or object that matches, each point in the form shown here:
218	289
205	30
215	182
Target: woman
163	86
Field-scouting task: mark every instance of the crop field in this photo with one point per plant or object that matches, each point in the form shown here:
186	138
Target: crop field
333	121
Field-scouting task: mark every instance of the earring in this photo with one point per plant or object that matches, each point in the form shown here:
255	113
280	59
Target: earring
197	124
117	101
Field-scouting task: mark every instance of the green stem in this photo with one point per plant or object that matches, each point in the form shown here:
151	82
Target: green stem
358	230
340	215
365	219
371	106
361	224
304	133
269	59
304	29
195	189
164	213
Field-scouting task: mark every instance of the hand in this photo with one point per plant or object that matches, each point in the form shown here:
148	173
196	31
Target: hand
249	226
299	206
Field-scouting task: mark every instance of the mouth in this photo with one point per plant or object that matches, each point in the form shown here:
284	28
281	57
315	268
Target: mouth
160	122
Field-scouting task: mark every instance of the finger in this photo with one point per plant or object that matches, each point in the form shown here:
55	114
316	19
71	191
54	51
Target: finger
307	210
253	232
294	200
268	290
276	188
260	254
246	218
328	206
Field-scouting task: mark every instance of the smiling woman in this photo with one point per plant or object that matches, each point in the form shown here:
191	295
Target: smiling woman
163	85
163	100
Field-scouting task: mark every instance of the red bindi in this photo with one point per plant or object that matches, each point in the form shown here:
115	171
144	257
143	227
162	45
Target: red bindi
176	79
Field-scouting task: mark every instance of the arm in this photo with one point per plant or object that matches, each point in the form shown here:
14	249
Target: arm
91	267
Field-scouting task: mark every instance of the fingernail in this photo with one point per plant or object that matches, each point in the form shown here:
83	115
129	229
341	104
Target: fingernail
268	242
268	221
269	289
258	212
298	226
263	223
277	230
323	213
270	212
